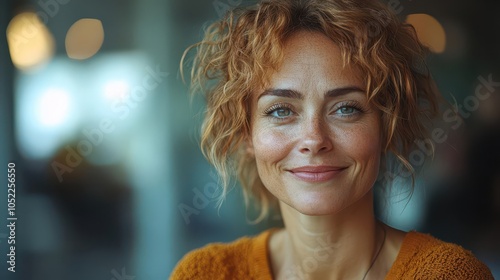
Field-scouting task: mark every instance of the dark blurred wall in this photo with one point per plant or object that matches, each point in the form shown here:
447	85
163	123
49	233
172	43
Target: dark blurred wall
7	147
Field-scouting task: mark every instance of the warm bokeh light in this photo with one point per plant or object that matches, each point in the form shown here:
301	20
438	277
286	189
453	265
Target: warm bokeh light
54	107
429	31
30	42
84	38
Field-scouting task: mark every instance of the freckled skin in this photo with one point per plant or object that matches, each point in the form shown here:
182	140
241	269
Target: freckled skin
314	130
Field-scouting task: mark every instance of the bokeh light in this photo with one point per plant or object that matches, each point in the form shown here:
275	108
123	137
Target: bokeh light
116	90
84	38
54	107
429	31
30	42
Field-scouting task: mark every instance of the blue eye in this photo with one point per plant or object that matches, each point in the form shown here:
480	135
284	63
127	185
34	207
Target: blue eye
347	110
279	111
282	112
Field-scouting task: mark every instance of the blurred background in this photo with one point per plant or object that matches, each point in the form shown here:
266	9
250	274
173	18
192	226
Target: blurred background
110	182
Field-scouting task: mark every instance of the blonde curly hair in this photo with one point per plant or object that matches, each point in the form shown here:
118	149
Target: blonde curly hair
243	49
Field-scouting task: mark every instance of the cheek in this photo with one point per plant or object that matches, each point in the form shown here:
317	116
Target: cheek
270	146
363	145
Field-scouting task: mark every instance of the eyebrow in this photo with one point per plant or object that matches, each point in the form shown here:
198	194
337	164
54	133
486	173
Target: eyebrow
289	93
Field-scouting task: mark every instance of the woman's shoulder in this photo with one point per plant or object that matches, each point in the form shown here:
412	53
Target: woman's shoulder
222	260
423	256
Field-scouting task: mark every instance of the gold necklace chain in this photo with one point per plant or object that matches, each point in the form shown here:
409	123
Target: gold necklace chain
378	253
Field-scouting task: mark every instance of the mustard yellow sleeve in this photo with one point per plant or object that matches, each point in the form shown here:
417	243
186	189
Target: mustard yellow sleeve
450	261
424	257
200	264
218	261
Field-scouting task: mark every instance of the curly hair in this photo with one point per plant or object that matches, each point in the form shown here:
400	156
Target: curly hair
240	52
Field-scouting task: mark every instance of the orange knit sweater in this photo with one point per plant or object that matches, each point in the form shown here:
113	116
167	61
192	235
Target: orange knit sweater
421	257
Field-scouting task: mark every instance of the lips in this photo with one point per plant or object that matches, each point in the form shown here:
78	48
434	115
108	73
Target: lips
316	173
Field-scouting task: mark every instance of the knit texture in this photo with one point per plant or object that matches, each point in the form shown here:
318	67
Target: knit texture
424	257
421	257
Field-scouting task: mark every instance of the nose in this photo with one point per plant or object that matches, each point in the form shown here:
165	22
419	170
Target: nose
315	136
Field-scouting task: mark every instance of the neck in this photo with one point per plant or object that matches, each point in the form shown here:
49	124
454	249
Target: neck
338	246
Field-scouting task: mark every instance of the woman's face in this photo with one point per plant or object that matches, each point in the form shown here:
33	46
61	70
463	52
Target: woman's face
315	137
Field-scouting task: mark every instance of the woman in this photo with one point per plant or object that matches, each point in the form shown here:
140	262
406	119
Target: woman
310	99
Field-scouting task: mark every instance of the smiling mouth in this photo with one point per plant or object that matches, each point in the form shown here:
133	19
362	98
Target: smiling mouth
316	173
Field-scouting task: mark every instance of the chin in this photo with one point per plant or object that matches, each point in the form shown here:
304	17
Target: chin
323	203
316	206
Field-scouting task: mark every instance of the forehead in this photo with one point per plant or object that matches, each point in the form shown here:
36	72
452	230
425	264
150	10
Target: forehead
311	47
311	56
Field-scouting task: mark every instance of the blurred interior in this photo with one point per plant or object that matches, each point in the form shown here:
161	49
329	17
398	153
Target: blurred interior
111	182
